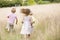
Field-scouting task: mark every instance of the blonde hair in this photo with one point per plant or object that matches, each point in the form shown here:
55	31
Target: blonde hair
13	10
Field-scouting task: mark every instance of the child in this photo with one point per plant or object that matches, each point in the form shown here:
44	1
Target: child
11	19
27	21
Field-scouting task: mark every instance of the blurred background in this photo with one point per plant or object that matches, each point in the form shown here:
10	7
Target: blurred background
9	3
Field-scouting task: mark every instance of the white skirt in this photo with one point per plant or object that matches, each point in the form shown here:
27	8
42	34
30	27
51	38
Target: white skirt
26	29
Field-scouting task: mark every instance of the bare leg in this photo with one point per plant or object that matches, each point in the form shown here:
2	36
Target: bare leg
11	28
25	37
28	37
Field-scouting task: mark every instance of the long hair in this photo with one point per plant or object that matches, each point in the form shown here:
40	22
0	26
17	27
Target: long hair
26	11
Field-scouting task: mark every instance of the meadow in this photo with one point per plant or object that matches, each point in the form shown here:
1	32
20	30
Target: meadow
46	27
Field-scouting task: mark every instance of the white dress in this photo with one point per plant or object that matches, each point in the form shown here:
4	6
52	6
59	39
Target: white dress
26	27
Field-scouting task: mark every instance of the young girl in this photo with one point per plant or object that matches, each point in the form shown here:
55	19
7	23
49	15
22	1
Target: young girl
27	21
11	19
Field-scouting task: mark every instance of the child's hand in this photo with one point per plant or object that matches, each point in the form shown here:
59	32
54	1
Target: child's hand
7	16
22	22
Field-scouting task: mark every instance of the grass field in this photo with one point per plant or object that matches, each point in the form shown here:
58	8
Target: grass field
46	27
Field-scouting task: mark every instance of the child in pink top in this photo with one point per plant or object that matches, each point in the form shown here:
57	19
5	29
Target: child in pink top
11	19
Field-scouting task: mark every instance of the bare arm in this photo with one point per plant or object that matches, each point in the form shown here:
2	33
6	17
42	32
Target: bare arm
23	21
33	22
16	20
7	16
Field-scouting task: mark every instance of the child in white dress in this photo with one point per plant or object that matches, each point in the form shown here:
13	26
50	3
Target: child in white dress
27	21
11	19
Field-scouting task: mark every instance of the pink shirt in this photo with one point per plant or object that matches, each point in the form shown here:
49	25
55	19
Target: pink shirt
12	18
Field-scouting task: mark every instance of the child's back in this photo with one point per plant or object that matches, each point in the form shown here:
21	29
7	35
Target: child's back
11	18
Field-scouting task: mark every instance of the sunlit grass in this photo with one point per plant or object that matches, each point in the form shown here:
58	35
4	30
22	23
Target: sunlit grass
47	26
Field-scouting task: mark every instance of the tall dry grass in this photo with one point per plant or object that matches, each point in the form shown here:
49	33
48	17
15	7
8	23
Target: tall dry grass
46	27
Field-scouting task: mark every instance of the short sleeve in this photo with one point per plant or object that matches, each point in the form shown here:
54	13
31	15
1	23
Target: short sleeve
8	15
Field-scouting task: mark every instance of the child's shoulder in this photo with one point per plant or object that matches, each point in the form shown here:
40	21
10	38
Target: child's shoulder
9	14
29	17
